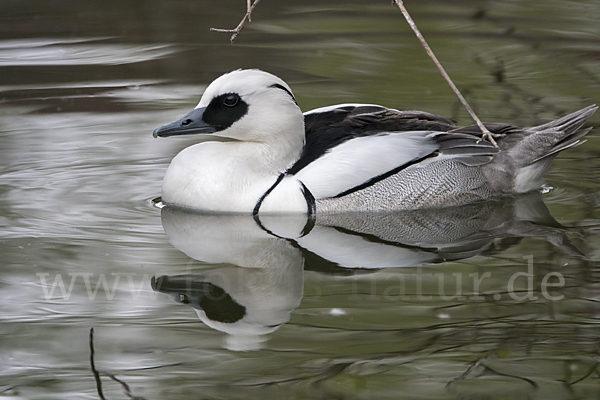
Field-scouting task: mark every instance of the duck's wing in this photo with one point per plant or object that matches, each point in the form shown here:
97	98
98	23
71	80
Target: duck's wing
352	146
329	127
466	145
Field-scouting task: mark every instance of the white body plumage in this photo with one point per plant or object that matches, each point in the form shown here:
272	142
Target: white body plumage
349	157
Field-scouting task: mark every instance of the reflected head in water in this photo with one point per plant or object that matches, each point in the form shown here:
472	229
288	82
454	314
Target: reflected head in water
255	284
211	299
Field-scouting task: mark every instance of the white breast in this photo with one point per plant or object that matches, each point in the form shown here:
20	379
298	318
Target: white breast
214	176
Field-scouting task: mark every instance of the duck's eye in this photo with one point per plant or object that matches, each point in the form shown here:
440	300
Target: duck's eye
231	100
184	298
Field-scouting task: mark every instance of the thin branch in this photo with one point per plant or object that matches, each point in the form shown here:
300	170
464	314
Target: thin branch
486	133
94	371
111	376
125	387
468	371
247	18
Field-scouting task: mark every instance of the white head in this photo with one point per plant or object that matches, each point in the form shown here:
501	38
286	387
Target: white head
247	105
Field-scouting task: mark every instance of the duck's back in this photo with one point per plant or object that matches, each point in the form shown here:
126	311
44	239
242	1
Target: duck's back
393	160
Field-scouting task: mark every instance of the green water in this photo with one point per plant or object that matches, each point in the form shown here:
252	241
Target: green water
496	301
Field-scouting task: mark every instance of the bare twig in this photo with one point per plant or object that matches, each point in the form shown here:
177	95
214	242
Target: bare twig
125	387
486	133
111	376
247	18
93	366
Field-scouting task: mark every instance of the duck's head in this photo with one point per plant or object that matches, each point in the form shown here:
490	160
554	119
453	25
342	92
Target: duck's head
246	105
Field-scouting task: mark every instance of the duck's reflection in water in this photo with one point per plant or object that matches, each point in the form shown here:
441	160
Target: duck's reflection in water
248	299
263	282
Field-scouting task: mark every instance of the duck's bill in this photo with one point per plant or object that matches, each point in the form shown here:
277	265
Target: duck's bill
191	124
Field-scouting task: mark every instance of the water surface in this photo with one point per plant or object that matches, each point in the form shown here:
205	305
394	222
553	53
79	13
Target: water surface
498	300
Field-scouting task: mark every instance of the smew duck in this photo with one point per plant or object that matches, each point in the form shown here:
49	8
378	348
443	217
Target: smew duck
349	157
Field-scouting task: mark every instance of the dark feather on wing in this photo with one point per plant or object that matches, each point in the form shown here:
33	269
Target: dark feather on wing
325	130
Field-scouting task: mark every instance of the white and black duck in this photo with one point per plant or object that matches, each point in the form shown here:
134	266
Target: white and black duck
350	157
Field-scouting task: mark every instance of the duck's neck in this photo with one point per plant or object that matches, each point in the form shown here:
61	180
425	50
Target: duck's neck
271	141
229	176
275	157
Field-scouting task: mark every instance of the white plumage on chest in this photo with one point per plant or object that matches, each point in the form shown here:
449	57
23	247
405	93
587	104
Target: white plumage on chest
215	176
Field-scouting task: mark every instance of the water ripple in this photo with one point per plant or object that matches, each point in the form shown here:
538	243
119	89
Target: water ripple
49	52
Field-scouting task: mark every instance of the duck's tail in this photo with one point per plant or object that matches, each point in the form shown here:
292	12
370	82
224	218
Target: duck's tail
533	152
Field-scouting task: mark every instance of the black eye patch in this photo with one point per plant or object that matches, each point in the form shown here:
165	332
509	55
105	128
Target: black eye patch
224	110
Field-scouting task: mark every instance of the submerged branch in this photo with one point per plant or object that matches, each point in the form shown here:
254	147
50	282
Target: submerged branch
97	373
94	370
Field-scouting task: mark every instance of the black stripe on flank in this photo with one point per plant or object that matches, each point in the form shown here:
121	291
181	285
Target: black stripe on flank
265	194
279	86
310	200
308	196
385	175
